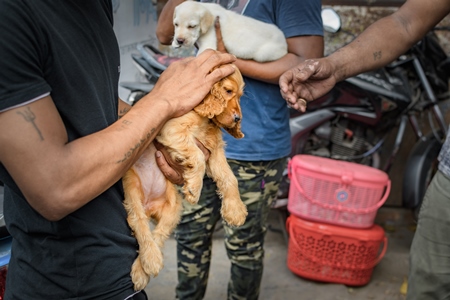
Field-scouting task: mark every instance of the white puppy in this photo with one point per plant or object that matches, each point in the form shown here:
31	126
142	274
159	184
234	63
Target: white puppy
245	37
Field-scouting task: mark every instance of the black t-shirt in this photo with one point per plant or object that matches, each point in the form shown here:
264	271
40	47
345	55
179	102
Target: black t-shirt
68	49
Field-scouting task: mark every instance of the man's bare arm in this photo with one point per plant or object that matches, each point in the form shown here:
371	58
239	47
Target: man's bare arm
123	108
57	176
165	29
389	37
299	49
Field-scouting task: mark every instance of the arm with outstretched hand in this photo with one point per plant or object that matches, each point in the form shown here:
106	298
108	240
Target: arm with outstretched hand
372	49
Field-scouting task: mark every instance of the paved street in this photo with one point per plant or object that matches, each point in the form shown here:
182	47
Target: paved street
280	283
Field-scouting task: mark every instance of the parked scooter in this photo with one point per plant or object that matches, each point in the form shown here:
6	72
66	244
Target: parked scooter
353	121
150	69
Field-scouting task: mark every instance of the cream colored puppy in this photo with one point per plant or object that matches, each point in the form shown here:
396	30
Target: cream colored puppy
245	37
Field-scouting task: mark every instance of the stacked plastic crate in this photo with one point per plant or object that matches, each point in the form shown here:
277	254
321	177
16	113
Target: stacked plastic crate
333	205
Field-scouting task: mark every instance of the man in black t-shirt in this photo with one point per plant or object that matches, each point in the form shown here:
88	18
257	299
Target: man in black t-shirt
64	150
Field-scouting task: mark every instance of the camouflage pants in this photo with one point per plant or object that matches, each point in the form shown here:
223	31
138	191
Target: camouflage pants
258	185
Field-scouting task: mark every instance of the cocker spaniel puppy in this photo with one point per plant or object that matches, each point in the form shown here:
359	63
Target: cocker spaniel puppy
243	36
150	196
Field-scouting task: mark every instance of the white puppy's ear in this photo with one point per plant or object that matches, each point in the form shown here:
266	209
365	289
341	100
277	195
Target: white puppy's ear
174	14
206	21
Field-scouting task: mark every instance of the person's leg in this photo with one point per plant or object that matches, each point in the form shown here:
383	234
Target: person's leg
258	185
429	275
194	242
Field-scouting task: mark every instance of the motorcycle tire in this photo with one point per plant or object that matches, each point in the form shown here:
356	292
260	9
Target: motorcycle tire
419	170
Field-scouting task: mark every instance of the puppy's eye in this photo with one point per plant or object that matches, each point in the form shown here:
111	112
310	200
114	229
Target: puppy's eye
192	26
176	24
229	92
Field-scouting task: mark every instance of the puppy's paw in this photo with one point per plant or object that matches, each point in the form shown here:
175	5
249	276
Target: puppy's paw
151	259
138	276
191	196
234	212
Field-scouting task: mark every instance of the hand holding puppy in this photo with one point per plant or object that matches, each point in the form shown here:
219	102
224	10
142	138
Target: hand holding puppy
193	80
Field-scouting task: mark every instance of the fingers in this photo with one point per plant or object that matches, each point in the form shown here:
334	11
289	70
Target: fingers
186	82
167	170
203	148
221	72
209	59
286	81
301	104
293	84
287	88
298	74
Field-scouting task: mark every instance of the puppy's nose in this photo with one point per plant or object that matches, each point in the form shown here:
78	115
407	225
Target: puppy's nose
180	41
237	118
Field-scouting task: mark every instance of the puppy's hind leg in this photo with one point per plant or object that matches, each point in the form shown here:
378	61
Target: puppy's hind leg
150	259
168	215
195	168
233	210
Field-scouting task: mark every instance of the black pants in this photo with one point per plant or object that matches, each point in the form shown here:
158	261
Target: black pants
140	296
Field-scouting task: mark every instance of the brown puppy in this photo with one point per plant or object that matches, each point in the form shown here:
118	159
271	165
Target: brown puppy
150	196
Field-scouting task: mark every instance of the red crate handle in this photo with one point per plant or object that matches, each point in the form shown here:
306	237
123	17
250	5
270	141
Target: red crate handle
314	259
347	209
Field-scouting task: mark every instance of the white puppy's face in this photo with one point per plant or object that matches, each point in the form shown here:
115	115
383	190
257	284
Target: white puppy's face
190	21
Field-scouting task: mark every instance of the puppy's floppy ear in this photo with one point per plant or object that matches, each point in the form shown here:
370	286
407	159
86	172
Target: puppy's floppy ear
236	131
213	104
206	21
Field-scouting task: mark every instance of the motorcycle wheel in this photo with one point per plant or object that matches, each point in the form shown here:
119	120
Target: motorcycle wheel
420	168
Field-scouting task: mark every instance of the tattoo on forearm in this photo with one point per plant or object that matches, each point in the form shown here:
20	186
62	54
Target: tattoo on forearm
123	111
137	146
126	122
377	55
29	116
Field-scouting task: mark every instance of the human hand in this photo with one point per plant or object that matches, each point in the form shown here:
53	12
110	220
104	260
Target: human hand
307	81
170	169
186	82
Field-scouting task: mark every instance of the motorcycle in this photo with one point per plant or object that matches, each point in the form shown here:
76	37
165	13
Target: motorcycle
150	69
354	120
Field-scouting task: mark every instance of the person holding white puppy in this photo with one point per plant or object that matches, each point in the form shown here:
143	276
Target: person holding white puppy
257	160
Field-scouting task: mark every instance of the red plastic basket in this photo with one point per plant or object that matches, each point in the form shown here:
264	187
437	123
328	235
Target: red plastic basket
336	192
334	254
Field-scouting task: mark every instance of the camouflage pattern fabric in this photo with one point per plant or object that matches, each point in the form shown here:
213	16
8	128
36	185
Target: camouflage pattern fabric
258	185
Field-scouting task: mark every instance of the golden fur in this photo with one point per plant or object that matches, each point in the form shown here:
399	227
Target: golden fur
150	196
